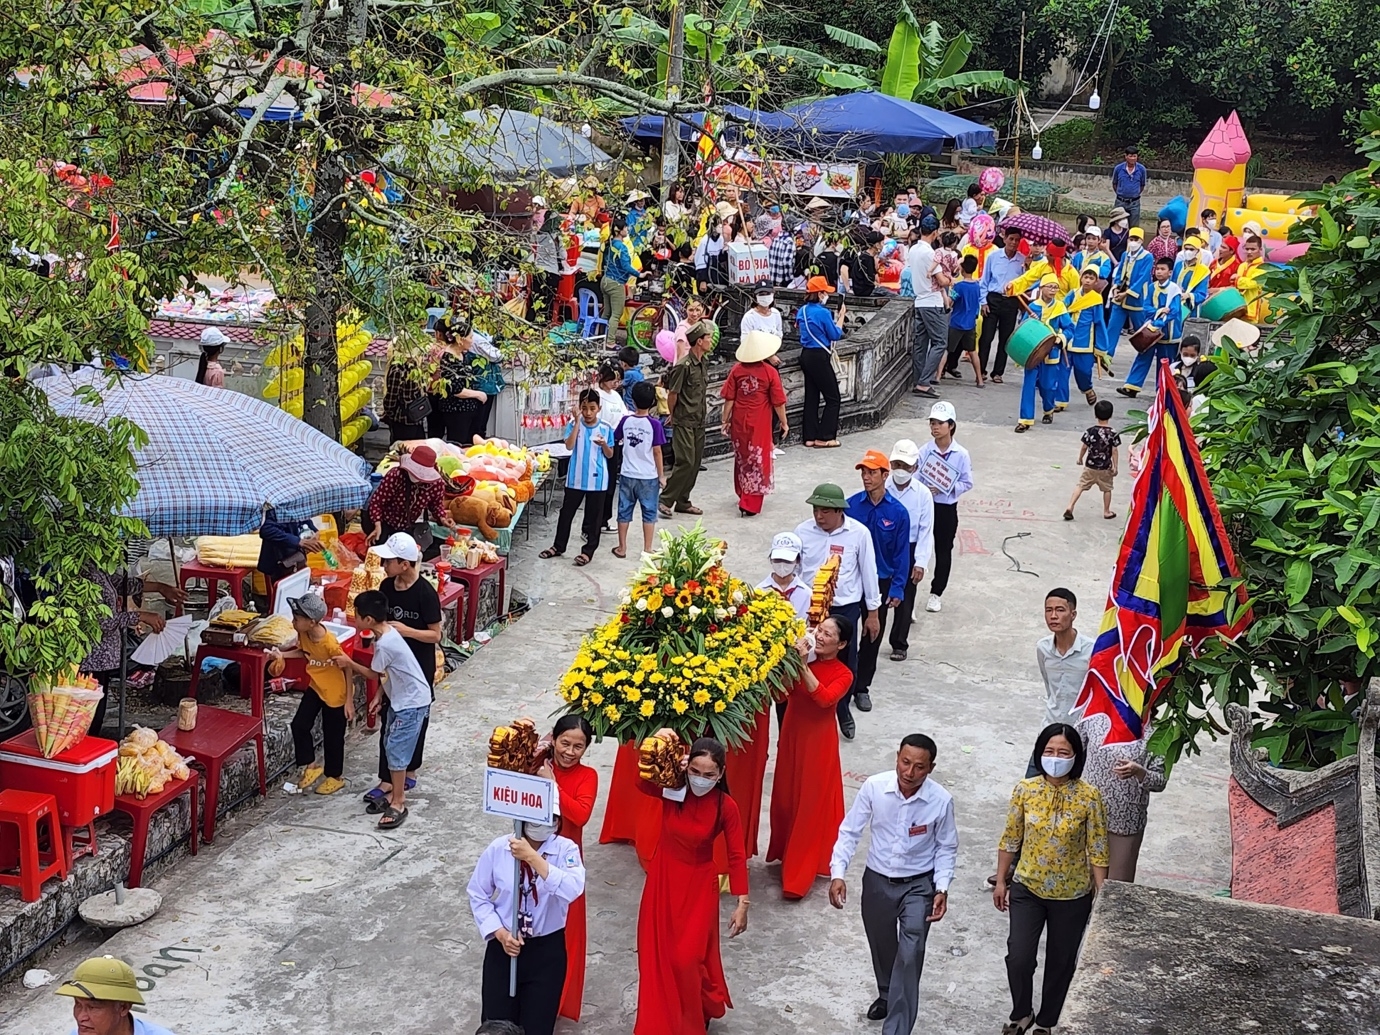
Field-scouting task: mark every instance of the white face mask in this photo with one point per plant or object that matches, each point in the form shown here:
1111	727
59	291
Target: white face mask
1211	224
901	477
1190	255
700	785
784	569
538	832
1134	245
765	300
1121	224
1187	361
1055	766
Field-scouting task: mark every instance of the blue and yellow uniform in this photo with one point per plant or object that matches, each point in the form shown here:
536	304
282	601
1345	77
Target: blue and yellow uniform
1134	274
1097	260
1037	271
1193	282
1166	306
1084	330
1046	377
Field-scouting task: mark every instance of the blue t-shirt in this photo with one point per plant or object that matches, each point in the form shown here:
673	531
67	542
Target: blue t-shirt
967	300
589	469
630	378
817	327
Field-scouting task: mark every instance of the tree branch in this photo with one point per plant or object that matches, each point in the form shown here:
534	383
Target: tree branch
275	90
549	77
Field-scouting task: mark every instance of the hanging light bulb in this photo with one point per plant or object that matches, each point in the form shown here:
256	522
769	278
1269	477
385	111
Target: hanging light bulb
1095	101
1036	152
587	131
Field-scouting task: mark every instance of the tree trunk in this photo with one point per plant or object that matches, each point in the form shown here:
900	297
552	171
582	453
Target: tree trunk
320	364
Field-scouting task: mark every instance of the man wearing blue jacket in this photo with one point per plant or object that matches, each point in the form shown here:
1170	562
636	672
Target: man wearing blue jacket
1130	282
888	520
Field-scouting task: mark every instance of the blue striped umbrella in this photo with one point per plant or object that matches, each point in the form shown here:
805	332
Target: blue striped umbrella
215	457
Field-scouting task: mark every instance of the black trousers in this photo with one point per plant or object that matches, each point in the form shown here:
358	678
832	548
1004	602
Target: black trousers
868	649
480	424
854	612
611	494
590	527
540	977
399	431
435	422
820	382
999	320
460	426
1067	919
332	733
905	614
945	529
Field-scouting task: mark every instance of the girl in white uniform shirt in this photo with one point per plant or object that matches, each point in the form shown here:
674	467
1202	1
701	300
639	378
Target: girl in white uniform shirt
945	467
553	876
785	579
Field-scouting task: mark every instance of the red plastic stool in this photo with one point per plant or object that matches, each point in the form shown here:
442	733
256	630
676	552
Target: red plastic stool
473	578
565	299
23	810
232	577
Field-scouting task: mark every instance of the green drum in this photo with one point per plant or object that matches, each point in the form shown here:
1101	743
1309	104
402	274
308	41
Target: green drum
1031	343
1222	305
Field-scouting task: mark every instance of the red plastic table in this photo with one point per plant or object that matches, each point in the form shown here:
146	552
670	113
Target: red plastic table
232	577
218	735
253	662
141	810
473	578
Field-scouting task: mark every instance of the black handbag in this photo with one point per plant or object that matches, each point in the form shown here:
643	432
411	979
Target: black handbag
418	410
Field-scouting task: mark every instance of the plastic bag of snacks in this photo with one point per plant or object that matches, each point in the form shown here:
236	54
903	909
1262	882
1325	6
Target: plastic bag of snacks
62	709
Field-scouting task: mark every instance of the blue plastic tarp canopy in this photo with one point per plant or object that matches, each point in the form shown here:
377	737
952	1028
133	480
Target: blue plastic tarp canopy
515	144
737	119
856	125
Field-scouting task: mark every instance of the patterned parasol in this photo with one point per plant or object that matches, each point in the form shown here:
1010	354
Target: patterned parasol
215	457
1037	229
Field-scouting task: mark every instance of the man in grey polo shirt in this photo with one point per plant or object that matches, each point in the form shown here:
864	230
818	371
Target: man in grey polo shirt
931	332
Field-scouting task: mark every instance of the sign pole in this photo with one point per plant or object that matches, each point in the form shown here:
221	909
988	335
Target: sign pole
513	927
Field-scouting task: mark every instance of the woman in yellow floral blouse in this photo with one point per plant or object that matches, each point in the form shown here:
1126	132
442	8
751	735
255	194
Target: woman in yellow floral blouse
1056	836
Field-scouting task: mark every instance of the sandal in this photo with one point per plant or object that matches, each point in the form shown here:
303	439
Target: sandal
665	513
917	390
996	379
1110	516
1022	428
1048	418
581	560
833	443
1017	1027
619	552
375	796
549	552
393	818
688	508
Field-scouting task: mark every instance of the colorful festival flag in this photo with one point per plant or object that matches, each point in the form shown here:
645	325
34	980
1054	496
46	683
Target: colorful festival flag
707	151
1169	589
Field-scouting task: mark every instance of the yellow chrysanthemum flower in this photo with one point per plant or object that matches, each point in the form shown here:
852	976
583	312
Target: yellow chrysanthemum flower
701	696
679	706
648	707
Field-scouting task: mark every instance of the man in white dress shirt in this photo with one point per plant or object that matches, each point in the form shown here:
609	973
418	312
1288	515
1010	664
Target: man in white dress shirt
552	877
856	592
910	863
916	497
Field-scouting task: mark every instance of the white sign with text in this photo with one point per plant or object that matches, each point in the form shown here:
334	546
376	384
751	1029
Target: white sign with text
518	796
747	262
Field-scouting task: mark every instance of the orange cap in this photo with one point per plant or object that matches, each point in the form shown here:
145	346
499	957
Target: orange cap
874	460
815	284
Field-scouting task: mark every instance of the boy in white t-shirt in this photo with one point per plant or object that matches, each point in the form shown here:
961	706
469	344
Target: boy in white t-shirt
405	689
643	475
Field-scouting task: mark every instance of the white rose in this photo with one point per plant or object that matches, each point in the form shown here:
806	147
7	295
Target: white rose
642	604
668	612
737	596
721	613
625	596
694	611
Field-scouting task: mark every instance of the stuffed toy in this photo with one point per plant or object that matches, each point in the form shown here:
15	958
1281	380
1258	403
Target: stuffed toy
484	510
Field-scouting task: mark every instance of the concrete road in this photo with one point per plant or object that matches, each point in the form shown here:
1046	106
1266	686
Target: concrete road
303	918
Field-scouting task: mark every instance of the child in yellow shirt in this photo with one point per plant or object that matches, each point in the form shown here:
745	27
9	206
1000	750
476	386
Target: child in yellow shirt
330	696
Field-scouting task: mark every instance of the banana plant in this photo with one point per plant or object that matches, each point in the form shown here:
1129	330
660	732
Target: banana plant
920	65
706	40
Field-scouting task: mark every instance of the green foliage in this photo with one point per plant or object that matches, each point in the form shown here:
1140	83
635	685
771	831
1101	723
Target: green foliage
1291	441
62	481
901	73
1068	141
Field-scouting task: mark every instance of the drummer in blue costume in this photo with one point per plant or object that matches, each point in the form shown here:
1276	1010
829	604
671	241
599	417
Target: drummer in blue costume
1130	281
1084	329
1167	305
1192	276
1046	307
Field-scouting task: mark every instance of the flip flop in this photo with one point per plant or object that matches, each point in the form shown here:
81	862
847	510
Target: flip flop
376	795
582	560
618	552
996	380
548	553
392	818
688	508
1110	516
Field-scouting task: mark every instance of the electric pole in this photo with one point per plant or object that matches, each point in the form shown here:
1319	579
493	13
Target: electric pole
670	126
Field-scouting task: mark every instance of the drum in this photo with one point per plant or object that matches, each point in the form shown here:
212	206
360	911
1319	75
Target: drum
1223	305
1144	340
1031	343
